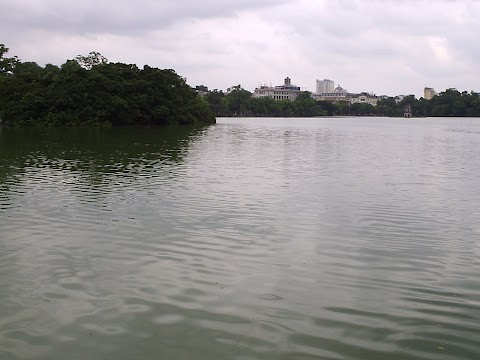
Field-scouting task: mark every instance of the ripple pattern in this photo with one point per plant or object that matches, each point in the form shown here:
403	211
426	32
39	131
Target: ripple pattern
251	239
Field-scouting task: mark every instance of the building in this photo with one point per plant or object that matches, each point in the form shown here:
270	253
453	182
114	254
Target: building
336	95
429	93
340	94
287	91
407	111
325	86
363	98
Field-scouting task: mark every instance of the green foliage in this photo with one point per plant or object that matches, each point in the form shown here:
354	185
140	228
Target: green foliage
453	103
94	58
448	103
441	110
217	103
7	65
239	102
90	91
201	88
358	109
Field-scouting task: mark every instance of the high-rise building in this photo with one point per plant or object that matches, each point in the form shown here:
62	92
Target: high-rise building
325	86
429	93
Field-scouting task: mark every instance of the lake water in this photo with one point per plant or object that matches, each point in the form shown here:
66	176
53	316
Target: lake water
334	238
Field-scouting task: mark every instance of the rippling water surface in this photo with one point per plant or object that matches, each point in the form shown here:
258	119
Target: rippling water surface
250	239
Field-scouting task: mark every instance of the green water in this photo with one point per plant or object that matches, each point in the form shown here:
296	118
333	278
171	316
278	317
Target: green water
353	238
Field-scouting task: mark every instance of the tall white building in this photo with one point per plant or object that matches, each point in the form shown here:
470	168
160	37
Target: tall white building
325	86
429	93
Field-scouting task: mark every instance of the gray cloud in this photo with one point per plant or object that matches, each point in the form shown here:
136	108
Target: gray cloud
388	47
117	17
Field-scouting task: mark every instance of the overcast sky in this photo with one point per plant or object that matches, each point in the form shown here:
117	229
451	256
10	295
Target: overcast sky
381	46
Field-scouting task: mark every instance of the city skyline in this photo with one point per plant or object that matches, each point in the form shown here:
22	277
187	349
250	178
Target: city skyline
381	47
328	86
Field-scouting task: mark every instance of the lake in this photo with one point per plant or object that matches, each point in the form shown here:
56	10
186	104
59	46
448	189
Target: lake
324	238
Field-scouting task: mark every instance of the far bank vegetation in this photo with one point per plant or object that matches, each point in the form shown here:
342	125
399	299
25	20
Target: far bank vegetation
239	102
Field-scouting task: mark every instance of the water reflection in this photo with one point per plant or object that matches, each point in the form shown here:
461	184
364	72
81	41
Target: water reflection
95	151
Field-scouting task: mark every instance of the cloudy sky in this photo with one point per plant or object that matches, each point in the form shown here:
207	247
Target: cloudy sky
381	46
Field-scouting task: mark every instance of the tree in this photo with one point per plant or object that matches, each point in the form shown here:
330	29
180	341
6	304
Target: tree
7	65
105	94
94	58
217	103
201	88
441	110
459	108
237	100
476	107
363	109
305	106
329	107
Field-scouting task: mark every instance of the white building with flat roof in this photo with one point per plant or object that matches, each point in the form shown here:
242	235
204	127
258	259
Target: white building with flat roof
363	98
342	95
287	91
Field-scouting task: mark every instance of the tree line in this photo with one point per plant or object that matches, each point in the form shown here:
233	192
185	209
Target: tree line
88	90
240	102
450	102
